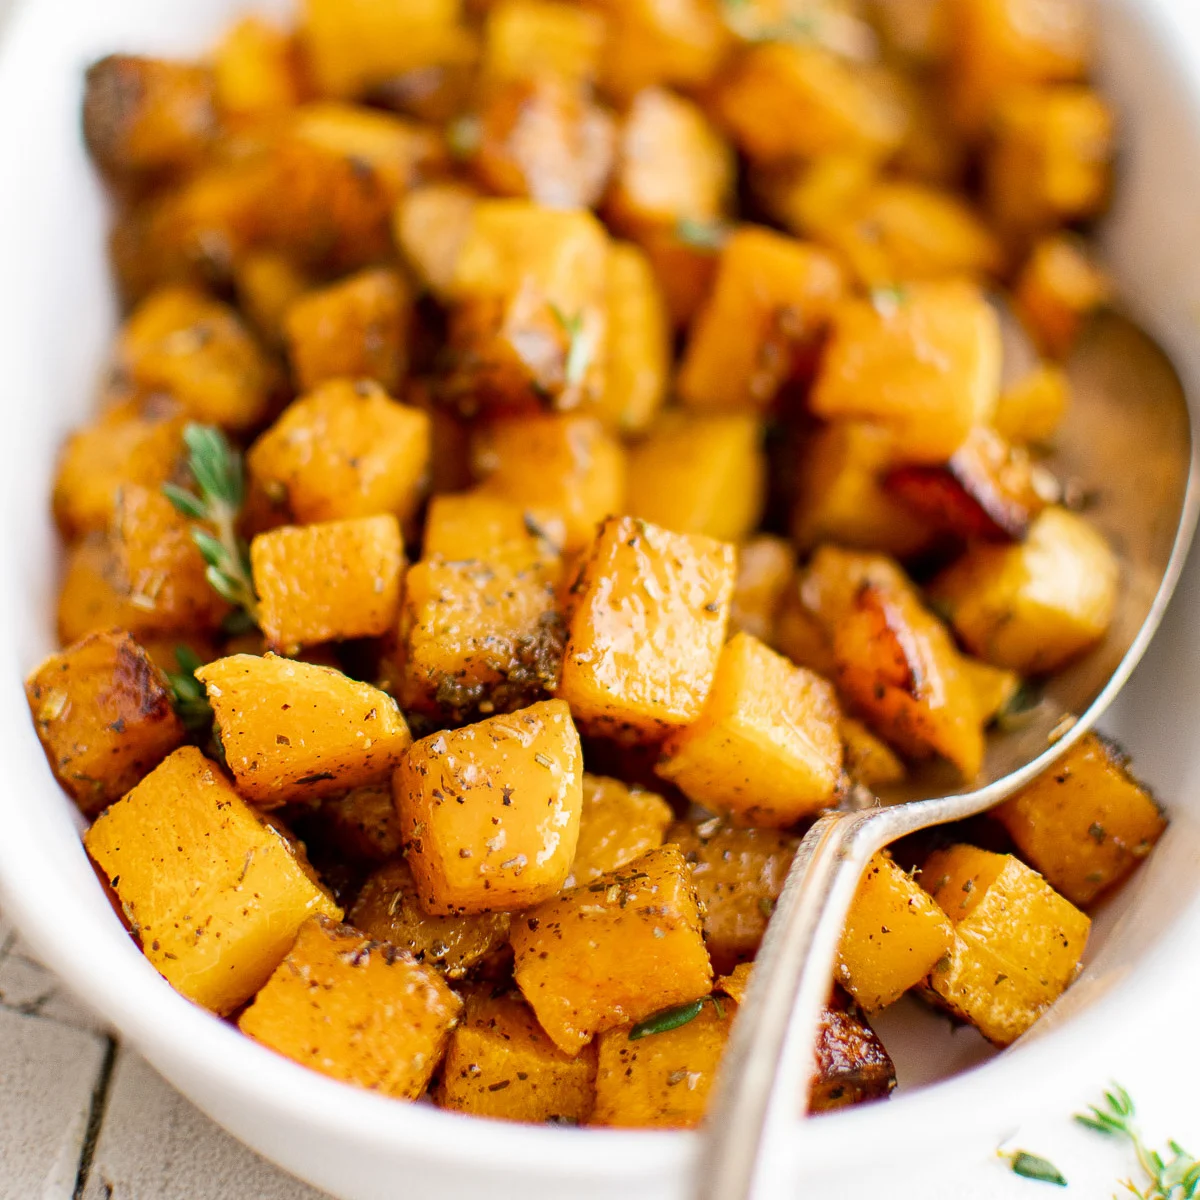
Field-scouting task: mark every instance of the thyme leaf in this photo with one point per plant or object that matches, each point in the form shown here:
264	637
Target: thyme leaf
187	692
674	1018
1030	1166
709	236
580	345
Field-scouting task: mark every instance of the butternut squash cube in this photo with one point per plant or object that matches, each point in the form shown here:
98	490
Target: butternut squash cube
1017	943
355	1010
501	1064
362	825
213	893
254	70
994	687
672	165
528	321
295	731
526	37
344	450
700	475
894	935
644	635
389	909
93	595
811	199
923	362
478	638
1086	822
684	260
869	760
766	569
613	951
491	529
766	747
568	465
1033	606
738	874
198	351
617	824
329	581
1031	410
267	286
430	224
490	812
661	1081
356	328
103	713
831	105
771	302
1058	288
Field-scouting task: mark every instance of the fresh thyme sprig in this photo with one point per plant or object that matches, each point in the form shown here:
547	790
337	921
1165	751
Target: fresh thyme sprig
190	698
673	1018
217	469
1174	1178
1031	1166
580	345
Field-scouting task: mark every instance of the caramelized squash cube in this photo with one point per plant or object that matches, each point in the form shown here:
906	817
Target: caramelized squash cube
1031	410
613	951
490	812
501	1064
1058	288
684	259
853	1065
738	874
1086	822
267	285
475	525
869	761
213	893
523	38
430	224
766	748
93	595
894	935
255	70
354	329
617	824
771	302
296	731
1034	606
328	582
766	569
103	713
362	825
649	617
355	1010
344	450
388	909
1017	942
924	363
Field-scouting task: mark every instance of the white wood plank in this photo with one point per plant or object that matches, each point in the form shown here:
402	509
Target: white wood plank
27	987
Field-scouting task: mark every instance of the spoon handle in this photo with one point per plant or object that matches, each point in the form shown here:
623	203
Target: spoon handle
762	1084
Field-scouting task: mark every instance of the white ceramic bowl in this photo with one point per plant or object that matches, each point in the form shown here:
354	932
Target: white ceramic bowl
56	313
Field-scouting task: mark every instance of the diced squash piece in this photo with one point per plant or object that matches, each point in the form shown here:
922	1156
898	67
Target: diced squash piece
766	747
1017	942
988	491
995	688
103	713
894	935
1031	410
161	649
853	1065
1050	159
661	1081
1057	289
830	105
738	874
567	465
1086	822
613	951
700	474
545	139
525	37
254	70
924	363
295	731
684	258
528	319
344	450
869	761
329	581
812	198
92	596
490	812
478	636
917	29
1034	606
840	495
389	909
147	114
672	165
268	284
771	301
646	629
639	343
362	824
737	983
213	893
354	329
431	223
834	577
766	568
618	823
351	44
488	528
801	637
356	1010
501	1064
129	444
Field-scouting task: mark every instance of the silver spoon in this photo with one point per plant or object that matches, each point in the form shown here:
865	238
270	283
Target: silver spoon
1128	433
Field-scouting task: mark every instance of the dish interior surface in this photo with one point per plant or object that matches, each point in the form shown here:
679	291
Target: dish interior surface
58	314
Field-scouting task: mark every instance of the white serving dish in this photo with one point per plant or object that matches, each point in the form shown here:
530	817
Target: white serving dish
56	313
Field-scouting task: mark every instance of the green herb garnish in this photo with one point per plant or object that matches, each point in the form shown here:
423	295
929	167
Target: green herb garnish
1030	1166
709	236
885	300
580	345
217	468
463	136
187	692
673	1018
1019	710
